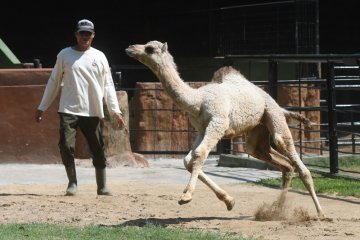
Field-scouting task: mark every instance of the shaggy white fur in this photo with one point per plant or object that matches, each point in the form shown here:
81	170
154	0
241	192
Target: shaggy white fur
224	109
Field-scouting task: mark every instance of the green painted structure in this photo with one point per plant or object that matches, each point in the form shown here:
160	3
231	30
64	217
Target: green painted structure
7	57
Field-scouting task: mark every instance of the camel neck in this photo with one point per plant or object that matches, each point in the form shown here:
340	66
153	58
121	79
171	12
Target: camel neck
181	93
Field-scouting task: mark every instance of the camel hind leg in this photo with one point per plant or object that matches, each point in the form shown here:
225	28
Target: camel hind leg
287	174
284	145
258	146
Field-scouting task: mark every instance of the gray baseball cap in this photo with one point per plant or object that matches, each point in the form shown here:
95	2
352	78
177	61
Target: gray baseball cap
85	25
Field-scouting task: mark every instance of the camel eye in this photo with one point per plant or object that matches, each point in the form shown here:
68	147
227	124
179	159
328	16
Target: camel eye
149	50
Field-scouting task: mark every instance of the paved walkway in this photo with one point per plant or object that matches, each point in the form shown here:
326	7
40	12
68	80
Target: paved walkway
161	171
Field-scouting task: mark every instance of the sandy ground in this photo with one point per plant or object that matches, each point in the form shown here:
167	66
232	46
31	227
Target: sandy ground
138	200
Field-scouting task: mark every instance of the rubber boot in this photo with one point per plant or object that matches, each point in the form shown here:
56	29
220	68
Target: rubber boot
101	182
72	186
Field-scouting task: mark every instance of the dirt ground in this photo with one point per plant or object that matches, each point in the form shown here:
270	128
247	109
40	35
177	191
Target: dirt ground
135	204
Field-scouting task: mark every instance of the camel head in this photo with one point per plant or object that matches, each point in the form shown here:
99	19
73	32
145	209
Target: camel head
153	54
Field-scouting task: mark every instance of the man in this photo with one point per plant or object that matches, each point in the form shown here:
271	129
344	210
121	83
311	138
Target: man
83	77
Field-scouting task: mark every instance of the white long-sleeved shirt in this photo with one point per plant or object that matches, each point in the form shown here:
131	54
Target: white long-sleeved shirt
84	79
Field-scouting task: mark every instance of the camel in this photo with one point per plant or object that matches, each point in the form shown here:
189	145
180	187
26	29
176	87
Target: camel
225	109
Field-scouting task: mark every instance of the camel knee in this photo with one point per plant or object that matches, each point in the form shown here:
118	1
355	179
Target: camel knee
287	176
199	153
277	138
284	143
193	159
198	158
187	164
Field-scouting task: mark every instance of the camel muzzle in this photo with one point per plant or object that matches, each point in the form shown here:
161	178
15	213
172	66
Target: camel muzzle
129	52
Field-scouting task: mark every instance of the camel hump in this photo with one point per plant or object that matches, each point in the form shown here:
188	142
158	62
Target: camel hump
220	74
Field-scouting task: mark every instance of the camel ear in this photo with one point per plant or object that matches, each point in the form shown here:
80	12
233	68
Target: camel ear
164	48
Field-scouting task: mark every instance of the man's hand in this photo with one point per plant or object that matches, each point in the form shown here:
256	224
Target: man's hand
119	120
38	115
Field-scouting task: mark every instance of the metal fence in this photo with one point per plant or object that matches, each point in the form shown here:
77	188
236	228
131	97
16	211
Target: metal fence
266	27
337	77
334	77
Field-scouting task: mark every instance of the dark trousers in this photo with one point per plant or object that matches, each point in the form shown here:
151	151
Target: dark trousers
90	127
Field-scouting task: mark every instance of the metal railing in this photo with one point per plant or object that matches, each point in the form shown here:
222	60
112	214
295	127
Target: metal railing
334	84
327	77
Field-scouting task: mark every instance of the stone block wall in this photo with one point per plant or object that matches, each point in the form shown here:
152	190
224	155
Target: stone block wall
305	97
159	125
24	140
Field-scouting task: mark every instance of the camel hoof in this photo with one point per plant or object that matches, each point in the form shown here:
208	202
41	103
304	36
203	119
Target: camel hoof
230	203
185	198
181	202
321	216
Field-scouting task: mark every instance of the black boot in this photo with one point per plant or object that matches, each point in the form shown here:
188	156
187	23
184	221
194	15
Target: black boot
101	182
72	186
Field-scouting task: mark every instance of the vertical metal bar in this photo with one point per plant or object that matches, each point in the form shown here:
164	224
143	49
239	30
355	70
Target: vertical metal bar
211	30
321	147
273	78
118	80
317	27
353	143
156	145
296	27
299	70
333	138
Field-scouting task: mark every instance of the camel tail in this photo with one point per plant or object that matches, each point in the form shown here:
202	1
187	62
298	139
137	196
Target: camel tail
294	115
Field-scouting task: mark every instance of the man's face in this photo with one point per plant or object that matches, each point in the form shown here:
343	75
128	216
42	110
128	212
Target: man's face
84	38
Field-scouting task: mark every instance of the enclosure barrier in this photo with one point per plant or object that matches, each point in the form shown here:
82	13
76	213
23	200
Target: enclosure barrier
331	62
322	72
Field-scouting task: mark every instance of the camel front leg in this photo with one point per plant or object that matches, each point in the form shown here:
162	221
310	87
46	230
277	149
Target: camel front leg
220	193
188	163
194	165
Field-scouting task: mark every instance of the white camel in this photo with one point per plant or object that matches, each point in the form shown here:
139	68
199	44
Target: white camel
225	110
